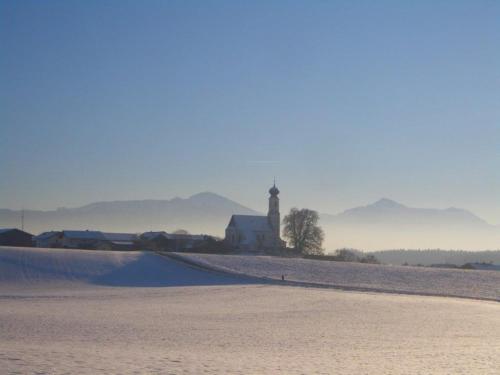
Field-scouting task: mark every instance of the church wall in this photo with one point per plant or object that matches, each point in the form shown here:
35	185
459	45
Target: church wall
259	239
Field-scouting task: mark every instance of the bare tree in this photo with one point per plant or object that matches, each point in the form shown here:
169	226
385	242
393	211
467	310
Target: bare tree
303	231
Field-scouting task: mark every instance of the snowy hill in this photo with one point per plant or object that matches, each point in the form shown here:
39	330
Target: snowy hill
429	257
35	269
83	312
28	269
356	276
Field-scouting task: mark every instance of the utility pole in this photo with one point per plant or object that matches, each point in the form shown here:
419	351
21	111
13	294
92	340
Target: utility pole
22	220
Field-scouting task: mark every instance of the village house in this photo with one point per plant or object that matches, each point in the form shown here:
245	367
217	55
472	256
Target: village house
47	239
173	241
15	237
120	241
87	239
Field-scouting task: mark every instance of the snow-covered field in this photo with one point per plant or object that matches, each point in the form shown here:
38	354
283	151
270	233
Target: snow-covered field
88	312
356	276
23	270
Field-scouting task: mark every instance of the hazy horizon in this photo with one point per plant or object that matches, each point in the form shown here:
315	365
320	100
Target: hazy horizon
284	208
344	103
380	225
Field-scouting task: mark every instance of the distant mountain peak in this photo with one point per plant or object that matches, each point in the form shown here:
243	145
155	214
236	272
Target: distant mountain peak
206	195
204	212
387	203
391	214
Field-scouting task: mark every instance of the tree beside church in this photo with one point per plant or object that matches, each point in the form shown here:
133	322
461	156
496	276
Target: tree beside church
303	231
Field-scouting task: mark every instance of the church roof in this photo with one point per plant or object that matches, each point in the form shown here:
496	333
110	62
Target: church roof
249	224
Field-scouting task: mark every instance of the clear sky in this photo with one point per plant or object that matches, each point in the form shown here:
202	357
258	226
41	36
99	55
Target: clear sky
344	102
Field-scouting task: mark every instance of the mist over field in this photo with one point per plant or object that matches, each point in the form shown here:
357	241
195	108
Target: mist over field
385	224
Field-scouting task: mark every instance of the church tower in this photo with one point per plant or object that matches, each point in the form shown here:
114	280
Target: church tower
273	215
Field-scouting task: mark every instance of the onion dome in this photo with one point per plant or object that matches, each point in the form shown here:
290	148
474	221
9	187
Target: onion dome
274	191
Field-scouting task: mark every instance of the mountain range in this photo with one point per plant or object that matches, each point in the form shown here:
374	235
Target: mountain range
201	213
385	224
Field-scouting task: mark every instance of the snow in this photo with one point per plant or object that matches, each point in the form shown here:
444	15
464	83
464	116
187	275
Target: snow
28	269
100	312
356	276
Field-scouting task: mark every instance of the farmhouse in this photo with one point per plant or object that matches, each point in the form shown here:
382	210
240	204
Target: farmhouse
120	241
15	237
173	241
47	239
87	239
255	233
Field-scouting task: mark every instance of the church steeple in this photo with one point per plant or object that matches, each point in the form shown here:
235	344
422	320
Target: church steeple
273	214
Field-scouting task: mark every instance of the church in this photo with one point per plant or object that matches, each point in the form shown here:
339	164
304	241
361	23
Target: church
257	233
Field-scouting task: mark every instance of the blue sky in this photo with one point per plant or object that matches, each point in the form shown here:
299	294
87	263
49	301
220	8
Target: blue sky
344	102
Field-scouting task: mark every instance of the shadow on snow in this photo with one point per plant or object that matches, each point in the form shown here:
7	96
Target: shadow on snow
152	270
